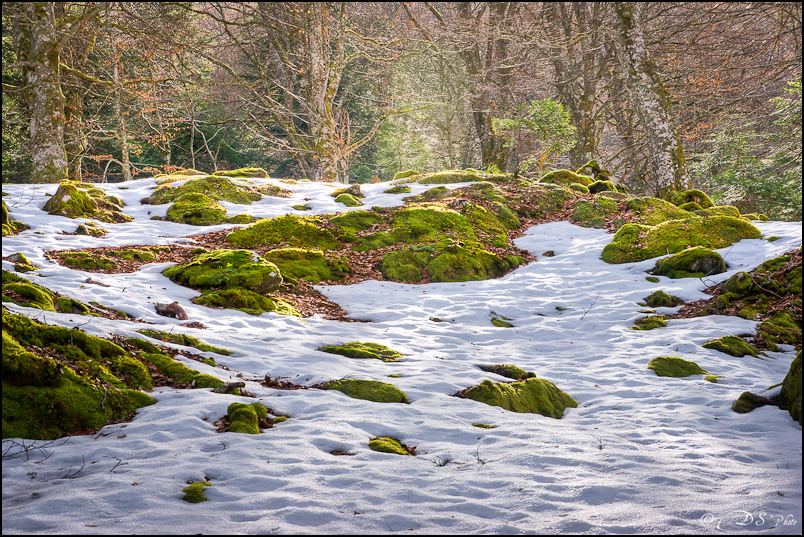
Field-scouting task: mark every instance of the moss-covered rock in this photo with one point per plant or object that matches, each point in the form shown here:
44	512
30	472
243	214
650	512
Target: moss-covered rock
10	227
215	187
693	195
509	371
245	418
357	349
781	328
91	229
93	381
75	199
183	339
291	229
406	265
695	262
531	395
386	444
635	242
566	177
247	301
25	293
194	493
732	345
749	401
594	213
180	373
660	299
311	265
653	211
673	366
719	210
135	254
352	222
463	264
649	323
433	194
790	396
404	174
22	263
88	261
370	390
349	200
196	209
501	322
243	172
601	186
397	189
224	269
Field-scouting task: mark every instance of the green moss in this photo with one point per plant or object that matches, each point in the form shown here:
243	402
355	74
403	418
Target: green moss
30	295
45	399
720	210
245	300
691	206
215	187
245	418
280	419
87	261
593	213
10	227
652	279
370	390
757	216
91	229
660	299
291	229
790	396
732	345
424	224
673	366
404	174
462	264
634	242
653	211
508	370
484	426
405	265
649	323
311	265
566	177
70	305
301	207
225	269
397	189
349	200
243	172
540	200
531	395
357	349
386	444
739	284
781	328
695	262
433	194
697	196
179	372
195	492
496	321
601	186
135	254
183	339
196	209
353	222
748	402
82	200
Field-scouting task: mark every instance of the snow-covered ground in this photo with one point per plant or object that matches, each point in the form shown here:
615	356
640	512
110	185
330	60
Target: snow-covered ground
640	453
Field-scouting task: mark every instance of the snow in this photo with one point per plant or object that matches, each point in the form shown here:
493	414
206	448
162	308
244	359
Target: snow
640	453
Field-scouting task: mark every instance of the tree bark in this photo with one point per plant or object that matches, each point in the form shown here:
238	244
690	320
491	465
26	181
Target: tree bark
650	100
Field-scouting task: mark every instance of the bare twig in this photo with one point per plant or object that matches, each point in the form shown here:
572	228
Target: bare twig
590	307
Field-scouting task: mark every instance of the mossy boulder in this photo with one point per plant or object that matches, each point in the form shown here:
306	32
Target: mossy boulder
196	209
370	390
719	210
693	195
179	372
387	444
184	339
790	396
501	322
673	366
352	222
594	213
433	194
22	263
660	299
749	401
353	190
509	371
566	177
216	188
601	186
636	242
290	229
540	200
649	323
653	211
695	262
91	229
531	395
25	293
88	261
245	418
397	189
10	227
404	174
462	264
247	301
311	265
243	172
75	199
406	265
194	493
224	269
93	381
782	328
357	349
349	200
732	345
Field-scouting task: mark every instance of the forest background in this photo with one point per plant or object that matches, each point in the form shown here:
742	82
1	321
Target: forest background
662	95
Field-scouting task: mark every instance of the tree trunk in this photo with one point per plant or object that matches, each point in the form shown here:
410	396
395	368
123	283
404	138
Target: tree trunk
122	133
650	100
46	101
